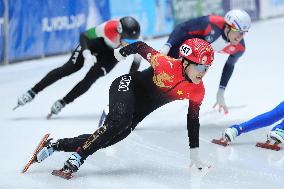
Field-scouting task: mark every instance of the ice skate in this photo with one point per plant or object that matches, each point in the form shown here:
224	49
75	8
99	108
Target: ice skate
229	136
46	151
274	139
70	166
56	108
25	98
40	146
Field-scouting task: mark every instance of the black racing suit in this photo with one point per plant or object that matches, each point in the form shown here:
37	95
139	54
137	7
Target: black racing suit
105	63
131	98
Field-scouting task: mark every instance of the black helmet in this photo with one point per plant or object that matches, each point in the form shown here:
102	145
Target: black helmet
129	28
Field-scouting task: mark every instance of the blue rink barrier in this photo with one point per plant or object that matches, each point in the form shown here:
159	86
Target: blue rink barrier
42	28
1	32
252	7
154	16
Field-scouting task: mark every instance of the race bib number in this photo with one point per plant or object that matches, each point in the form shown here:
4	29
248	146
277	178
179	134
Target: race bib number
185	50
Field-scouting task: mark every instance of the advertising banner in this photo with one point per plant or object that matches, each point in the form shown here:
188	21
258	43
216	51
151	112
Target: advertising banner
98	12
102	8
271	8
250	6
61	24
184	10
40	28
154	16
1	32
212	7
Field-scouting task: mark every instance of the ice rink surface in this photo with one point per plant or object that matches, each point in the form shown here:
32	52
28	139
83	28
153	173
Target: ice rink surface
156	154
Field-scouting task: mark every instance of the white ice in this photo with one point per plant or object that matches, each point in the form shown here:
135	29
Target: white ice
156	154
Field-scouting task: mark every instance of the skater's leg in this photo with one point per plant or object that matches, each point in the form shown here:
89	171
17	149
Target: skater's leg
71	144
262	120
118	120
84	85
121	108
257	122
65	144
105	64
74	64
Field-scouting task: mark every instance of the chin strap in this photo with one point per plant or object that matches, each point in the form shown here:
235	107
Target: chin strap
227	34
183	71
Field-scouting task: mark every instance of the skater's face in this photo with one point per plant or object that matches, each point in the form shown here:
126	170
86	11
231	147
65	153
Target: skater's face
234	35
194	71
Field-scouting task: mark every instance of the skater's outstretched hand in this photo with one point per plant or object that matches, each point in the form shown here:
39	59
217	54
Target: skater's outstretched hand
90	59
195	161
220	102
118	55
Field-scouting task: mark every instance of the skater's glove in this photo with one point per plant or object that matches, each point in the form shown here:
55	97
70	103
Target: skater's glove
90	59
195	161
118	55
220	102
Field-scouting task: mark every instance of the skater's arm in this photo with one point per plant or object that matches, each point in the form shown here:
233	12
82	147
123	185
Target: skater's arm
192	28
147	52
230	63
136	63
193	124
84	41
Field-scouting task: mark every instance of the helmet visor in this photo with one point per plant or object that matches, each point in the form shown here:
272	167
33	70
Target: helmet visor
199	67
233	29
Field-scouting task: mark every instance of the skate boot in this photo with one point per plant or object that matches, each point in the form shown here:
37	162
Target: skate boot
73	163
25	98
70	166
46	151
229	136
274	138
277	135
56	108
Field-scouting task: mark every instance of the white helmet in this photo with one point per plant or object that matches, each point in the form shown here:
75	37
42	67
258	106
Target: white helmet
238	19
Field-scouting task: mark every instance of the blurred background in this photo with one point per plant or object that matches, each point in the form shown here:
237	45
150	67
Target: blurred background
35	29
